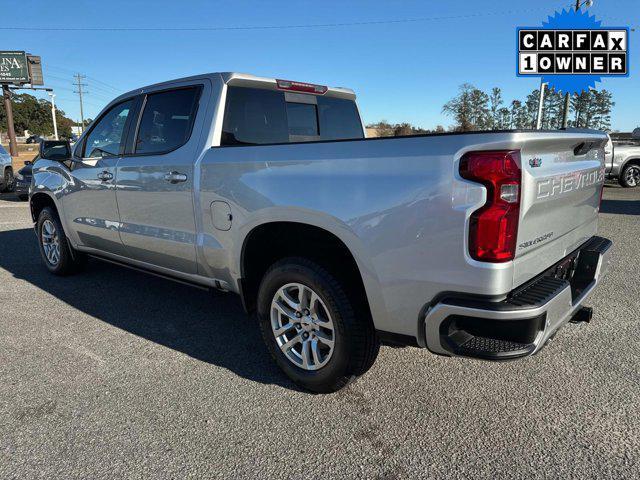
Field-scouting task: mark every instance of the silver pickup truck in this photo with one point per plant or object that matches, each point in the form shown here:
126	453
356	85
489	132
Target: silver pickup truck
479	244
623	163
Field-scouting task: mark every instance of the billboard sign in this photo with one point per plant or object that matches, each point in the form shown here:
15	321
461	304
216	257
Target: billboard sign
14	67
35	70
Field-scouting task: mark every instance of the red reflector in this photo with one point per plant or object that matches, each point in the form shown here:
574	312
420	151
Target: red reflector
301	87
493	229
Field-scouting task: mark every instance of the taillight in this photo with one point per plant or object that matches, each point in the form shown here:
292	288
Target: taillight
493	228
301	87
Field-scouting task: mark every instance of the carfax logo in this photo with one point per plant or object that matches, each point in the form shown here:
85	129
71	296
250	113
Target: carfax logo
572	51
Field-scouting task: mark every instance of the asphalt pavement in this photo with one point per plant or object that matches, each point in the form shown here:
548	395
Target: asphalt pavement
117	374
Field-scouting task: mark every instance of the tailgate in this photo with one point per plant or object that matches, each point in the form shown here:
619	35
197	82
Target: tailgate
562	178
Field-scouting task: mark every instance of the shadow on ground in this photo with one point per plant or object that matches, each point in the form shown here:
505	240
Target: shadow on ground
620	207
207	326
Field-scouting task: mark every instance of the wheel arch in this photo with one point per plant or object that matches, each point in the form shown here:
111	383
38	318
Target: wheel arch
39	201
269	241
631	160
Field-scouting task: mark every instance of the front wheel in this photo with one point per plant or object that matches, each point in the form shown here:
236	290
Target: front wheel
630	176
315	332
58	256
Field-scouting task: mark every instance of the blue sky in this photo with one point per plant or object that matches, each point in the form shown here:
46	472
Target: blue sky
401	71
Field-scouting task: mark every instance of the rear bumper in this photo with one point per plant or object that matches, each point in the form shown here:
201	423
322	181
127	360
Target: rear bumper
521	324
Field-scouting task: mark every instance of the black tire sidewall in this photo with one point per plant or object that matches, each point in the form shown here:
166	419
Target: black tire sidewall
335	374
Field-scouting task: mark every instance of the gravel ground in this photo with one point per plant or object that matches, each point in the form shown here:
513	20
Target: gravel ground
116	374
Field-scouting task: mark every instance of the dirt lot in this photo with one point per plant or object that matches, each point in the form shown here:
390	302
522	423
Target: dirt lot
115	374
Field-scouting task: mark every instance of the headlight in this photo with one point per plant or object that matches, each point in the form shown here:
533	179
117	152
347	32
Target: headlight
19	176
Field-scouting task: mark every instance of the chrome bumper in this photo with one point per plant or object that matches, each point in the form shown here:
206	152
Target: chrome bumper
543	306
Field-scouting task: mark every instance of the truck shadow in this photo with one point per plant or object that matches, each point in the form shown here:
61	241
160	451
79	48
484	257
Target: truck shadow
620	207
209	327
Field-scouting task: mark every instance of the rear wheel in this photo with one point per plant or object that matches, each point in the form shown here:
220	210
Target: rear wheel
8	181
630	176
58	256
314	331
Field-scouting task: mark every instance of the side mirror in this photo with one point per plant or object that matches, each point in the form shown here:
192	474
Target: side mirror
636	133
56	150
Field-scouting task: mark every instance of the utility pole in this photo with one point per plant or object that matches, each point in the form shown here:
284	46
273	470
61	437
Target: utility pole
13	145
540	103
79	84
53	114
567	96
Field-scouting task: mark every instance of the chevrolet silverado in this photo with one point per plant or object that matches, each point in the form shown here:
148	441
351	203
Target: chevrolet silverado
479	244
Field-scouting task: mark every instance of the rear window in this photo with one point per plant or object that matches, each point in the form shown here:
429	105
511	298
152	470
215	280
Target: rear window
256	116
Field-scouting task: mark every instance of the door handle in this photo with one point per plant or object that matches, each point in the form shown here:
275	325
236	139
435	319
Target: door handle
175	177
104	176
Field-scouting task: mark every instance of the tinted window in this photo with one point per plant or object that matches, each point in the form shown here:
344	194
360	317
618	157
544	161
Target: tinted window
105	137
339	119
167	120
254	116
302	119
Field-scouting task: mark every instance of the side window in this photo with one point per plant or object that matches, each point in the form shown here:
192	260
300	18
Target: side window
167	120
254	116
105	137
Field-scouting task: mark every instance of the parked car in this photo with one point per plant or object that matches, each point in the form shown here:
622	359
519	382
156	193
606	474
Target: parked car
625	165
468	244
23	179
6	171
34	139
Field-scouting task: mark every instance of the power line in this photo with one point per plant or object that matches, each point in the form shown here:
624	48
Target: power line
68	70
265	27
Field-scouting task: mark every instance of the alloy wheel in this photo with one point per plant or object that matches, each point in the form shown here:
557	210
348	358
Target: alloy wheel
50	242
302	326
632	176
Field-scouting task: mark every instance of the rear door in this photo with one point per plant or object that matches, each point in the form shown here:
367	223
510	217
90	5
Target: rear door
156	179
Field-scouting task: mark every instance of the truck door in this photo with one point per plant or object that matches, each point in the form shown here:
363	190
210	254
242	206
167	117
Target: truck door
156	178
90	200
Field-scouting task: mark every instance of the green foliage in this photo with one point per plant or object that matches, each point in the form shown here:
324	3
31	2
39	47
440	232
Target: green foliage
472	109
34	115
386	129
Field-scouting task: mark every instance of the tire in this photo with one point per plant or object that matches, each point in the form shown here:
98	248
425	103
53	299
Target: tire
9	183
630	176
51	236
355	344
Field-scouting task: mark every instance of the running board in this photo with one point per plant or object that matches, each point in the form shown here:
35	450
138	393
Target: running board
215	284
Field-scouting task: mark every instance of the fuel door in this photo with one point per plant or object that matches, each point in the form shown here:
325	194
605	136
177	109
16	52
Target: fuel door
221	215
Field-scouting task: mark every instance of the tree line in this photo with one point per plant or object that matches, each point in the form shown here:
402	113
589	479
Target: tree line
473	109
34	114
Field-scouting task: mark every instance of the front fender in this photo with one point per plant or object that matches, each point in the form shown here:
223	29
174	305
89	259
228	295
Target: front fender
49	178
